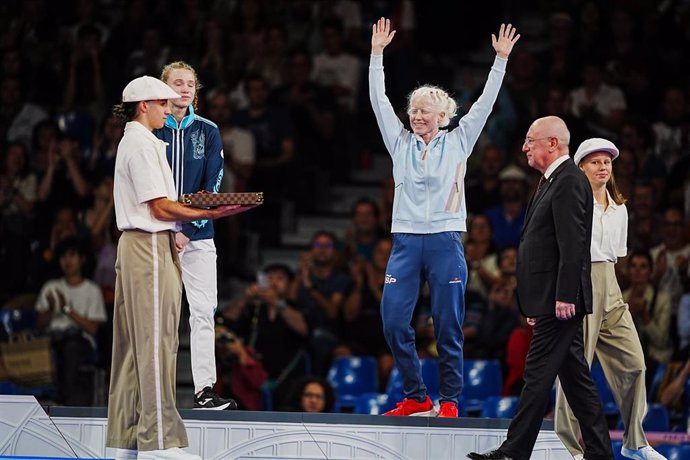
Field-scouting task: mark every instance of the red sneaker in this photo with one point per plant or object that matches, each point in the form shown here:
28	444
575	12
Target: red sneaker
448	409
412	407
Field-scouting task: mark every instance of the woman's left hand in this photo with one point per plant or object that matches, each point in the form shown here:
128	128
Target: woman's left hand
506	39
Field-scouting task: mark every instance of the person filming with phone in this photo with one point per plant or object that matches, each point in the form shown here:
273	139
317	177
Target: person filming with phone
273	325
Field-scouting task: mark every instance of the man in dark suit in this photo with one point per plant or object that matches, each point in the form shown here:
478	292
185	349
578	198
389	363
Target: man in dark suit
555	292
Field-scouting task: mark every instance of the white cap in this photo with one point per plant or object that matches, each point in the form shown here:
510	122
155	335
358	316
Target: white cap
595	144
512	172
147	89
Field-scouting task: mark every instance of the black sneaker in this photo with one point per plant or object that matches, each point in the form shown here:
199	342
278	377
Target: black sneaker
208	399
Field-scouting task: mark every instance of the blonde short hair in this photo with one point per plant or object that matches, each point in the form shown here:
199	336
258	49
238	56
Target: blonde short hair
440	101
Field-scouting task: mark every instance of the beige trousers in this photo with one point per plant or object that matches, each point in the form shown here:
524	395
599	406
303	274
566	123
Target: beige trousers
610	332
148	291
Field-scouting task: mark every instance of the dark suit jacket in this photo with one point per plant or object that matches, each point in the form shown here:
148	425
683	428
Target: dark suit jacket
554	261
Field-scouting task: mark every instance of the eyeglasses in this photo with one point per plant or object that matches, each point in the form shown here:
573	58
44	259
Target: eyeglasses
320	245
313	395
531	140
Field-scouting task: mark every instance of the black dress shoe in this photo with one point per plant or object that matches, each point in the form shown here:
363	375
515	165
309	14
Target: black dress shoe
491	455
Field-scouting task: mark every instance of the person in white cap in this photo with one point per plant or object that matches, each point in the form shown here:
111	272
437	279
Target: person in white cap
609	331
143	421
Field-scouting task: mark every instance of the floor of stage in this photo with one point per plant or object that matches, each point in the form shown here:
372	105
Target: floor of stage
27	429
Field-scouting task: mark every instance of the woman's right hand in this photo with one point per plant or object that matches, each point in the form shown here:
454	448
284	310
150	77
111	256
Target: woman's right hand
381	36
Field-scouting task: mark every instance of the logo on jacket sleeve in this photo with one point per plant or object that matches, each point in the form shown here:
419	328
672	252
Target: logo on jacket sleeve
389	279
455	280
198	144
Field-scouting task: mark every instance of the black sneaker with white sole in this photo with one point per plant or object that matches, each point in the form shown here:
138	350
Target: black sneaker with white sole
208	399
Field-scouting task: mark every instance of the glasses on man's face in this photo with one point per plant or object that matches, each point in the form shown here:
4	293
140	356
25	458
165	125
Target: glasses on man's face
322	245
313	395
532	140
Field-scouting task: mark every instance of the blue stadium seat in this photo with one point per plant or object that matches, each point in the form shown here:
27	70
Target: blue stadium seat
653	392
500	407
674	451
372	403
657	419
616	447
430	375
605	394
352	376
483	378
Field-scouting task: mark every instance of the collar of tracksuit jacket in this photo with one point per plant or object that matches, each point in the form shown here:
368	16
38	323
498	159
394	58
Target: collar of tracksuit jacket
171	123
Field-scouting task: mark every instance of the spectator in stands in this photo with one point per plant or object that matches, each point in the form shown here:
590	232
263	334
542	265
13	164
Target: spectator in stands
362	329
651	311
515	358
386	202
63	181
239	153
311	394
672	129
507	265
321	288
508	217
335	67
671	257
480	253
683	327
672	389
104	148
636	136
274	325
18	116
17	197
644	222
499	320
85	88
483	190
44	264
151	55
275	150
560	58
71	310
429	165
600	105
556	102
240	373
364	232
313	110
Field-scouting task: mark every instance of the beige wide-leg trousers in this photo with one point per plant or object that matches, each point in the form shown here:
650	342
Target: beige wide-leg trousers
141	405
610	332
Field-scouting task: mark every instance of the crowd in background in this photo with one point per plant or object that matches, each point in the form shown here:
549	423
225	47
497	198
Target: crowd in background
285	81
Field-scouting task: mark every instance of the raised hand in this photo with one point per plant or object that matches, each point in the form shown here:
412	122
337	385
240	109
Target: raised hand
381	36
506	39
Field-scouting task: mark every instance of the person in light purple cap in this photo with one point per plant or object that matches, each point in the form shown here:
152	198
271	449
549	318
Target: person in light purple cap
143	421
609	331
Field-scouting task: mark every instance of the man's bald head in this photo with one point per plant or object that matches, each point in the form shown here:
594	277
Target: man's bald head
547	139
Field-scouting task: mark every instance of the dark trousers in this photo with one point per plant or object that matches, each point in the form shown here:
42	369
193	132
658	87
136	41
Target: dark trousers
557	349
72	352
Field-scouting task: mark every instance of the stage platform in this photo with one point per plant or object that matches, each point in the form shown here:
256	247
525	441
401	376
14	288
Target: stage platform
29	430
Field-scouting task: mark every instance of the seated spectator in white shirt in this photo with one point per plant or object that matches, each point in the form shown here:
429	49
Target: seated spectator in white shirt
71	309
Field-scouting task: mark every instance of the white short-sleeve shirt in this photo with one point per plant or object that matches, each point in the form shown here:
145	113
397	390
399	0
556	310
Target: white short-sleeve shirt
86	299
609	231
142	173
